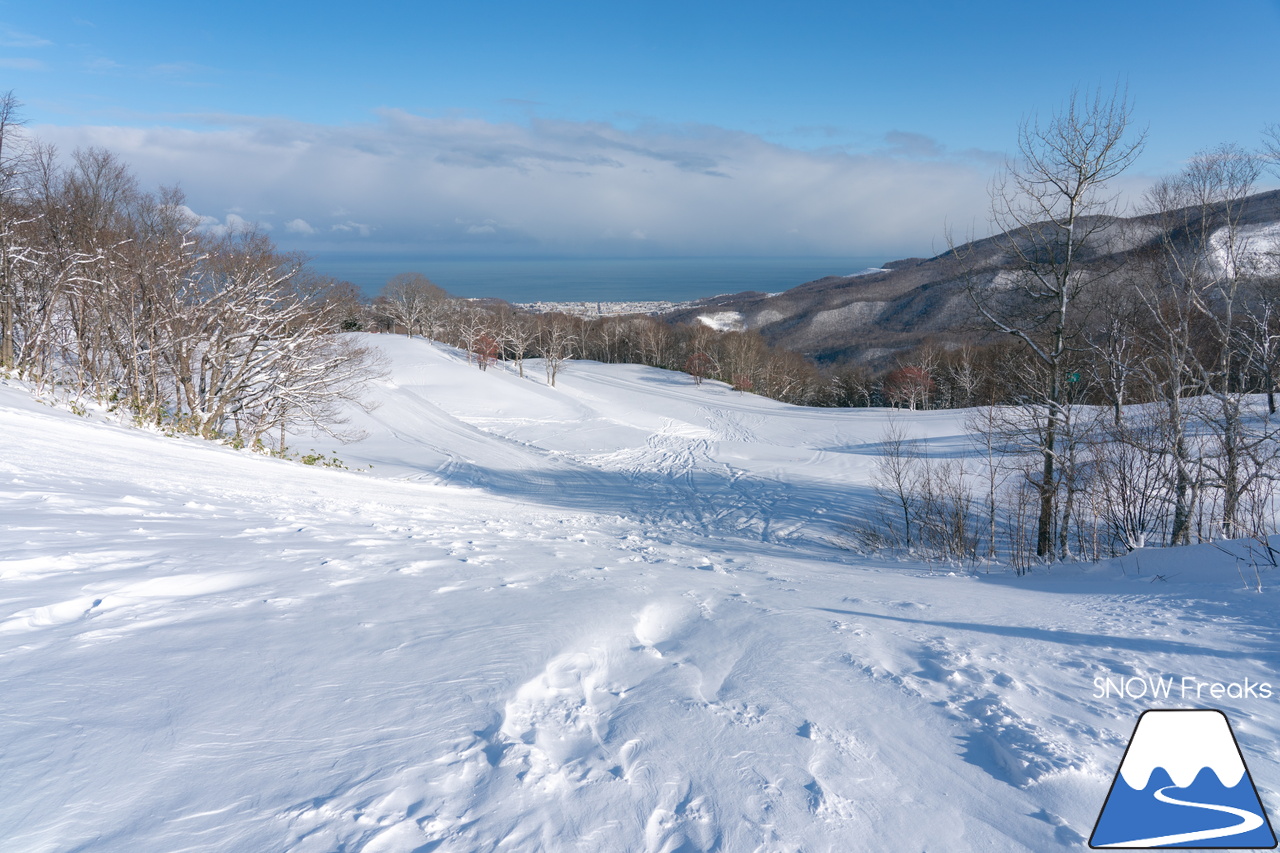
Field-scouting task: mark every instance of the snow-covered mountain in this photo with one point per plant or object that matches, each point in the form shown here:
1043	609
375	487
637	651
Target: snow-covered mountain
620	614
877	315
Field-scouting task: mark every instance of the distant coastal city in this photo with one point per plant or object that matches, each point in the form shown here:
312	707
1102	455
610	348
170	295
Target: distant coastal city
600	309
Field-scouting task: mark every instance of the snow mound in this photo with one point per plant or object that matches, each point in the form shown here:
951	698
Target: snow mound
661	624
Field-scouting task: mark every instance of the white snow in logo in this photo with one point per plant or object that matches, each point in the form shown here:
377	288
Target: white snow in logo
1183	743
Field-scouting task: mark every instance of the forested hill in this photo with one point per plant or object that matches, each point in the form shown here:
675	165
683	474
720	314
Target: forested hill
875	315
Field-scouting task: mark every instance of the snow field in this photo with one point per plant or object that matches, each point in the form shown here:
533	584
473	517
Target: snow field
613	615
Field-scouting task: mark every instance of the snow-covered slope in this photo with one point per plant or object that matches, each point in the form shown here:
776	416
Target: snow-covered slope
610	616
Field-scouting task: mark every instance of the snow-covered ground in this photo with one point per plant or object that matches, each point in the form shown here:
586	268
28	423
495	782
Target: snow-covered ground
723	321
616	615
1252	246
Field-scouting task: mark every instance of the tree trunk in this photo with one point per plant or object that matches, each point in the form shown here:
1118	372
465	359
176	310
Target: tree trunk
1044	528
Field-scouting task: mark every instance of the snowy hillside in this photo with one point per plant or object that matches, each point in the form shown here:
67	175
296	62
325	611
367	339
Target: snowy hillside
615	615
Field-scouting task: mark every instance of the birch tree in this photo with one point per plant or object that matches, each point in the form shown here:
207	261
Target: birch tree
1051	207
556	344
1208	258
414	302
13	253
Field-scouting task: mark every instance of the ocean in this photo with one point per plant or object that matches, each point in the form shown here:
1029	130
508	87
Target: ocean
591	279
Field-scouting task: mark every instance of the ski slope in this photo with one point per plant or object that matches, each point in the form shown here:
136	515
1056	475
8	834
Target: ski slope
616	615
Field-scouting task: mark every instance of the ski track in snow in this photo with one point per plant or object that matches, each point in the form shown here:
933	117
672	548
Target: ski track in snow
612	615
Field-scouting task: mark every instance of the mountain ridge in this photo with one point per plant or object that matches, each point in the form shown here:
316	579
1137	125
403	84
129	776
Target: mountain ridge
874	316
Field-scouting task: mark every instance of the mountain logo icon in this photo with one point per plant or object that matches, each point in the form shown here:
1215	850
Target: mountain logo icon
1183	783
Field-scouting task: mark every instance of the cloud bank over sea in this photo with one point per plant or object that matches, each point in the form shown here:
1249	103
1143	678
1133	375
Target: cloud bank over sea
471	186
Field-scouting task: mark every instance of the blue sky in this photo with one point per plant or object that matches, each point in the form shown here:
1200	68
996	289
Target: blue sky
659	128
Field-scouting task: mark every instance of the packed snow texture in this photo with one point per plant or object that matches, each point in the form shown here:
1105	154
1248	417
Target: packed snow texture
621	614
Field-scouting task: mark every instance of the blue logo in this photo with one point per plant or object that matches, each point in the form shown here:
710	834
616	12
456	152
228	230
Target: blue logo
1183	783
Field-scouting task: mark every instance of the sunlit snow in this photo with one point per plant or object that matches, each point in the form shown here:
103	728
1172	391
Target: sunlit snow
621	614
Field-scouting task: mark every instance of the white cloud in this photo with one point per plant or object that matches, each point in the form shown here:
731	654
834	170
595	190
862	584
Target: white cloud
9	37
350	227
486	227
21	64
233	223
450	184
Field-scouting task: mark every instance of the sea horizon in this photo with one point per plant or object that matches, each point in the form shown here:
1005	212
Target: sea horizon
579	279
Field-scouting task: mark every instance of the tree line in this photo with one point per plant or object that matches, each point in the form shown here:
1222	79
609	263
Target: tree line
489	330
1133	400
1122	398
110	292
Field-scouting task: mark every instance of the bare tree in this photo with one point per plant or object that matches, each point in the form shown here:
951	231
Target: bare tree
556	344
1271	147
742	356
1199	309
519	333
700	365
985	424
1263	342
897	479
1117	358
655	342
1133	486
944	509
1052	207
13	254
113	292
475	330
962	377
412	301
851	385
910	386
